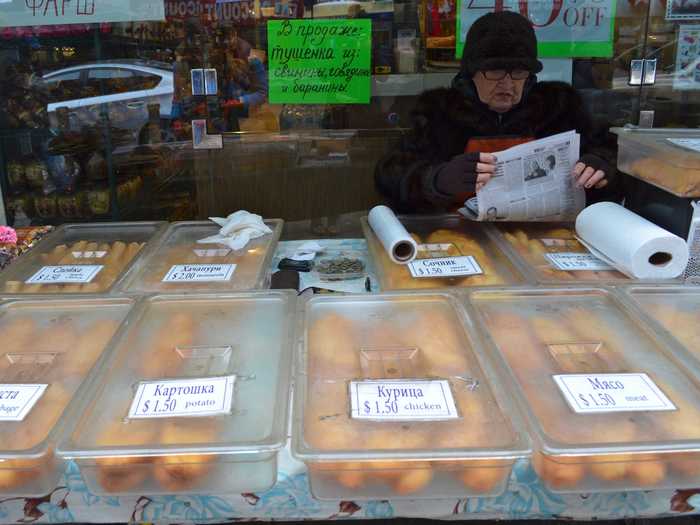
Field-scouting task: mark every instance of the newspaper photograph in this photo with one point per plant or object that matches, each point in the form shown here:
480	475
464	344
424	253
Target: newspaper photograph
532	182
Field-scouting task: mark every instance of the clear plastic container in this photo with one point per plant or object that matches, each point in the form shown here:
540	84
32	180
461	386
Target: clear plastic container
439	237
79	258
537	244
186	337
399	336
52	342
179	264
650	155
588	338
676	308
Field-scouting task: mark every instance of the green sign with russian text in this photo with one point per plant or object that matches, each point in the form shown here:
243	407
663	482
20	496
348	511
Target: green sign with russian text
320	61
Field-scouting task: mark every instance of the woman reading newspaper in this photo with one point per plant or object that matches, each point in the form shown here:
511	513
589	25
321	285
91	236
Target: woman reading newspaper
496	102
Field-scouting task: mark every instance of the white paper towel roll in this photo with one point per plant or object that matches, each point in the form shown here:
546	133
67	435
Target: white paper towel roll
397	242
631	243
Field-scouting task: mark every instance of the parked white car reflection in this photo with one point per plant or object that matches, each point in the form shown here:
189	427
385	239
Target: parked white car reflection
126	87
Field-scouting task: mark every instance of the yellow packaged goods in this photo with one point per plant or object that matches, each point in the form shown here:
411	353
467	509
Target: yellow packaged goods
609	408
398	338
667	158
548	248
677	308
48	350
78	258
194	400
444	238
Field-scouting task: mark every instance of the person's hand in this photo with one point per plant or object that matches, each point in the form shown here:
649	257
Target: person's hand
465	173
591	172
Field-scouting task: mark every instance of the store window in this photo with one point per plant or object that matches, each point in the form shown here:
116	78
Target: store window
116	98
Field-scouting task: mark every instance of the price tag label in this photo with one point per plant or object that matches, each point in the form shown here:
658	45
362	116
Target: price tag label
199	273
572	261
402	400
207	396
16	401
445	267
65	274
595	393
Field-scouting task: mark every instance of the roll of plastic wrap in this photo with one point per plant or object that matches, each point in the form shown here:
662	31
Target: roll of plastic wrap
397	242
632	244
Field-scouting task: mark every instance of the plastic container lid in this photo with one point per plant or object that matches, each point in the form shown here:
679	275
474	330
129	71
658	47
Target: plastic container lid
441	237
668	158
179	264
585	432
404	338
184	446
546	249
676	308
79	258
55	343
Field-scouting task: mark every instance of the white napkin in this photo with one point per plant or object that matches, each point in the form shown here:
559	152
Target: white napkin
237	230
307	251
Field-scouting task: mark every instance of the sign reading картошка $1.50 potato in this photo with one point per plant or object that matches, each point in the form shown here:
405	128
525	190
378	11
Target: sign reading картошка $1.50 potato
319	61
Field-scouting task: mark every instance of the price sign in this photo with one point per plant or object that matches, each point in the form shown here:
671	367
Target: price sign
573	261
445	267
402	400
564	28
65	274
596	393
208	396
16	401
199	273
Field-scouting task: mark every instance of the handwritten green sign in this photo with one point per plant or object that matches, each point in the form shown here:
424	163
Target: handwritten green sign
319	61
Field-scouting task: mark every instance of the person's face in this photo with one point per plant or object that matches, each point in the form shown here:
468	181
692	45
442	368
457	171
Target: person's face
500	95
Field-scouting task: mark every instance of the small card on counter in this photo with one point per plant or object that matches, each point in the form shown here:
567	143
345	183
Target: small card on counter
574	261
402	400
65	274
206	396
16	401
595	393
444	267
199	273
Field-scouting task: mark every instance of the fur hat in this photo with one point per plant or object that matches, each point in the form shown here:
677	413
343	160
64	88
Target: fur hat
503	40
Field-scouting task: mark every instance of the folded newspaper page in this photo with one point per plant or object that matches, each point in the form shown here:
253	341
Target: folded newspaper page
532	182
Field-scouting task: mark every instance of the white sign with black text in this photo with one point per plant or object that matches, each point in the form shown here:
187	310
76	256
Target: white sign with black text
445	267
65	274
573	261
207	396
402	400
595	393
16	401
199	273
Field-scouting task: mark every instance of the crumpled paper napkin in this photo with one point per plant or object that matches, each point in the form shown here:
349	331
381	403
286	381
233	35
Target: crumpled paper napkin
237	230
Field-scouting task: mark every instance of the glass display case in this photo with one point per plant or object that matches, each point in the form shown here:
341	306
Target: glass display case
96	118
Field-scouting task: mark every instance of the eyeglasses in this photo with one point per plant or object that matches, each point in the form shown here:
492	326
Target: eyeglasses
500	74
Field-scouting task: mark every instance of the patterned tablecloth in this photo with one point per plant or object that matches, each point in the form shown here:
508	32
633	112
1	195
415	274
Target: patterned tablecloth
291	498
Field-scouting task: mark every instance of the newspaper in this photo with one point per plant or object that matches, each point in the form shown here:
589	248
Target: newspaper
532	182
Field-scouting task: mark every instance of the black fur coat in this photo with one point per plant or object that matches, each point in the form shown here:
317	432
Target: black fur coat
444	120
